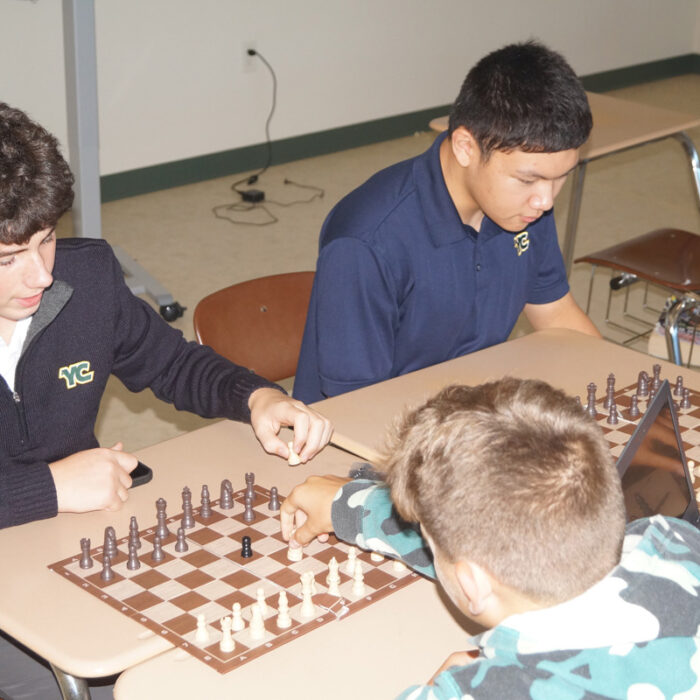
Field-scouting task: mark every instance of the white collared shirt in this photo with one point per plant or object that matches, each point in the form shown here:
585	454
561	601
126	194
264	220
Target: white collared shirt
9	354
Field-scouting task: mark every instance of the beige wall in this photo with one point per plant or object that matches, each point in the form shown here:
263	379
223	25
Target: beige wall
172	82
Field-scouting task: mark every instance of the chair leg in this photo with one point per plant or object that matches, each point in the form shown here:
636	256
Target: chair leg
672	319
692	154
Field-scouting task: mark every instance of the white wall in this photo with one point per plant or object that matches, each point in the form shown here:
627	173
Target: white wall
171	73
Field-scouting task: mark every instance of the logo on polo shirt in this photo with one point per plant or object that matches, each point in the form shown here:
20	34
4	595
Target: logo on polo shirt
77	373
521	242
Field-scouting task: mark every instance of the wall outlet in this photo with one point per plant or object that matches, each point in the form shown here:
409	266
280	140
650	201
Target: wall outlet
250	63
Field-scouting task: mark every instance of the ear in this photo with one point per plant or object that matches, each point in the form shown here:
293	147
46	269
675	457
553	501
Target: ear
464	147
476	585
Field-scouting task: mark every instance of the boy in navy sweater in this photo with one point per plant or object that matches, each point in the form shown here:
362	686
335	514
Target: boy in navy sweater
522	521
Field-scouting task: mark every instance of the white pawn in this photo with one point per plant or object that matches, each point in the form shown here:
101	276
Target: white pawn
293	460
260	594
257	624
202	634
226	644
376	556
295	553
398	566
237	621
358	580
308	609
283	619
350	562
333	578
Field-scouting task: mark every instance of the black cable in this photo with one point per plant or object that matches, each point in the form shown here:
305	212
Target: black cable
252	179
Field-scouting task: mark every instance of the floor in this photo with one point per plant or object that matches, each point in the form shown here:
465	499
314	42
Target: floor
177	237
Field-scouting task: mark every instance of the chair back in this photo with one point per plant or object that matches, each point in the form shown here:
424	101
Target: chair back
259	323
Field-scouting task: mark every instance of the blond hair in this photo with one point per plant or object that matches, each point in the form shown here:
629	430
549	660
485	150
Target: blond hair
514	476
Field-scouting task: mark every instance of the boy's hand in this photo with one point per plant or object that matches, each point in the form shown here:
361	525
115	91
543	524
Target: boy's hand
271	409
458	658
95	479
306	512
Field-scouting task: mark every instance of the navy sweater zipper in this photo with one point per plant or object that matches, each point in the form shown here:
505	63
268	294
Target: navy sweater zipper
24	433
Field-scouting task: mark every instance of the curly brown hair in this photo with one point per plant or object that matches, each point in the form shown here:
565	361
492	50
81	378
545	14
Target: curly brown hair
36	184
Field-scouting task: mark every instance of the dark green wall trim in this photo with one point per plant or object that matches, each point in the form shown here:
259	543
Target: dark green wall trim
185	172
238	160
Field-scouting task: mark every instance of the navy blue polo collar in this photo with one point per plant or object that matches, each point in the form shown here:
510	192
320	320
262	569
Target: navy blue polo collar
441	217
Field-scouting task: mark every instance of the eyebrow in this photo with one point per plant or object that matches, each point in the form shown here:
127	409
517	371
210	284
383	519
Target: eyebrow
8	253
534	173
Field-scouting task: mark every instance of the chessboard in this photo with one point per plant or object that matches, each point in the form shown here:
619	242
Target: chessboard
186	595
619	434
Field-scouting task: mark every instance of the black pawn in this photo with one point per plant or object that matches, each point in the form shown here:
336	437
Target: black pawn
181	544
107	573
678	389
274	499
685	401
246	547
612	416
248	513
634	407
161	526
133	562
157	554
85	558
205	510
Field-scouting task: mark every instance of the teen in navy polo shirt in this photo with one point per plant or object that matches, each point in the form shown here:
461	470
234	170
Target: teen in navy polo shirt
437	256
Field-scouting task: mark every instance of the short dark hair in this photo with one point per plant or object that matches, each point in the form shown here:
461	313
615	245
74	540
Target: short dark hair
523	96
516	477
36	184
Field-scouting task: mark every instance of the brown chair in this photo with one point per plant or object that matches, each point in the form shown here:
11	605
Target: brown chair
668	258
259	323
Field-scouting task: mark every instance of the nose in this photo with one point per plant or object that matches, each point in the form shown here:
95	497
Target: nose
38	275
543	198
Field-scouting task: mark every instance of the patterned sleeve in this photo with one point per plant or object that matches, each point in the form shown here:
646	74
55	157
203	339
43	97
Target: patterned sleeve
364	515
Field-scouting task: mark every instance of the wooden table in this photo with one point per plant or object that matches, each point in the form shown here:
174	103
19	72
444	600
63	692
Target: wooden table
619	125
79	634
402	640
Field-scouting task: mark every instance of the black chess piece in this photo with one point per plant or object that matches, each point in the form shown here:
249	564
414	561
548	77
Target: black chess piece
157	554
634	407
678	389
246	547
248	513
134	532
161	517
107	574
133	562
205	510
181	544
187	517
85	558
612	415
274	503
226	495
685	401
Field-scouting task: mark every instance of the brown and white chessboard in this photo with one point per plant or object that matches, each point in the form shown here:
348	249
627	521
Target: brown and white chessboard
208	579
619	435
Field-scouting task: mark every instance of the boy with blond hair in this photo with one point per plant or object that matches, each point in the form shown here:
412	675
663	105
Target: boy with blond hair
522	521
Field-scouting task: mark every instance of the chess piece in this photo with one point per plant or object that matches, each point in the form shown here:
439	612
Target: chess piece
293	460
248	513
678	389
274	503
133	562
161	526
612	418
350	562
226	644
308	581
610	391
181	544
134	533
685	401
260	600
157	554
333	578
307	609
295	553
257	624
85	558
246	547
187	517
643	384
201	636
358	580
398	566
106	574
283	619
656	380
110	543
590	406
226	495
376	556
205	510
237	621
634	407
249	484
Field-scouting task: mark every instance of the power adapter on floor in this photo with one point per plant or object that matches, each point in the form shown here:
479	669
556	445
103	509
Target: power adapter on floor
252	195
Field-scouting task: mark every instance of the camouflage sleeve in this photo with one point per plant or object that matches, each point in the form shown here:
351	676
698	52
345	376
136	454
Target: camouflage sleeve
364	515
